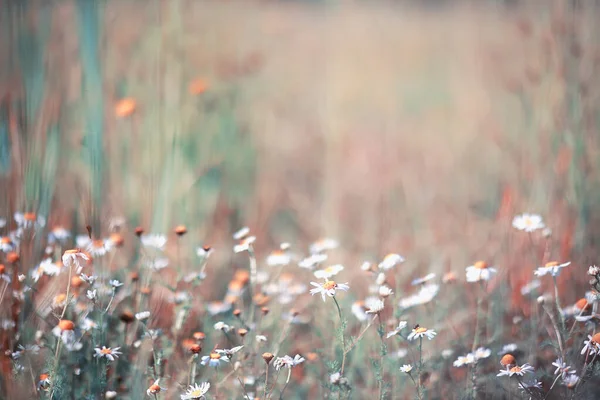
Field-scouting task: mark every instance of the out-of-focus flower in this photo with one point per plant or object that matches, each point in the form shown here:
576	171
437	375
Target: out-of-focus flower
385	291
401	325
593	270
287	361
406	368
279	257
570	381
516	370
528	222
422	280
154	240
204	252
312	261
244	244
328	288
390	261
58	234
562	368
29	220
592	345
425	294
420	331
115	283
229	352
359	310
323	245
241	233
508	348
375	306
158	263
222	326
155	388
74	258
142	316
328	272
553	268
531	286
464	360
214	359
480	271
91	294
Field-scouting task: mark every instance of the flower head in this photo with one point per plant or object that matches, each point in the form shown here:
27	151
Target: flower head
214	359
406	368
516	370
592	344
109	353
154	240
480	271
155	388
374	306
553	268
562	368
390	261
401	325
420	331
528	222
328	272
287	361
328	288
196	391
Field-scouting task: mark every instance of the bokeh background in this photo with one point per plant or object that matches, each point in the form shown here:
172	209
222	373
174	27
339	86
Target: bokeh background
414	127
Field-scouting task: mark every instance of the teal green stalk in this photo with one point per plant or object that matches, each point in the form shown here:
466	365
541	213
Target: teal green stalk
92	94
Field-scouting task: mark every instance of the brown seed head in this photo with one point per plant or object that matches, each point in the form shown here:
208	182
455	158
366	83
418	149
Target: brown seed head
2	268
596	338
76	281
237	312
264	310
581	304
180	230
127	317
267	357
134	276
66	325
12	257
139	231
145	290
242	332
199	335
508	359
480	265
196	348
125	107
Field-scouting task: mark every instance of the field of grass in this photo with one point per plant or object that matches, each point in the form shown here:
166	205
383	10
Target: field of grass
392	147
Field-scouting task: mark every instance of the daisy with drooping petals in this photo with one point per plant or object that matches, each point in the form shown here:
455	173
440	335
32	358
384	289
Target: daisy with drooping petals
592	344
480	271
374	306
196	391
528	222
109	353
214	359
155	388
419	332
74	258
516	370
328	272
244	244
401	325
287	361
553	268
390	261
328	288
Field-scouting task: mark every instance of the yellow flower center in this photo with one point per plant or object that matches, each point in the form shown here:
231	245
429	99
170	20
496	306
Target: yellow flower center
480	265
29	216
421	330
98	243
154	388
106	351
515	369
329	285
215	356
551	264
330	270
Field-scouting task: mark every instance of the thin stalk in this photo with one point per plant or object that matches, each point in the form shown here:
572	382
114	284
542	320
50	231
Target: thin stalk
286	383
343	337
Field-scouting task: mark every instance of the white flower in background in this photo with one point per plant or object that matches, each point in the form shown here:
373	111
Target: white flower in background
99	247
244	244
336	379
88	279
528	384
261	338
328	288
241	233
447	353
218	307
528	222
115	283
401	325
58	234
279	258
110	394
531	286
88	324
110	354
570	381
74	258
508	348
390	261
516	370
323	245
328	272
359	311
154	240
142	316
196	391
214	359
592	344
91	294
7	244
229	352
419	332
29	220
422	280
374	306
157	264
385	291
425	294
222	326
312	261
480	271
464	360
287	361
381	279
2	222
406	368
481	353
553	268
204	252
562	368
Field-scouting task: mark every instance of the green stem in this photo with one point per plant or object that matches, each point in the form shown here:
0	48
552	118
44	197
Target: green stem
343	337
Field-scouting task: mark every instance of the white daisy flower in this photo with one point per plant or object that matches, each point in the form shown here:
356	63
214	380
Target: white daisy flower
91	294
390	261
98	248
425	294
142	316
419	332
482	352
214	359
464	360
244	244
570	381
115	283
531	286
279	258
374	306
204	252
58	234
109	353
222	326
406	368
508	348
593	270
241	233
516	370
592	344
528	222
287	361
562	368
401	325
359	311
312	261
385	291
323	245
328	272
157	263
328	288
480	271
553	268
29	220
74	258
196	391
154	240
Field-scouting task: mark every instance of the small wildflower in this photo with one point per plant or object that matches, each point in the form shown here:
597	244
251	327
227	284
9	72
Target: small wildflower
553	268
406	368
328	288
464	360
143	315
593	270
204	252
528	222
29	220
110	353
214	359
153	240
385	291
287	361
110	394
242	233
74	258
419	332
562	368
328	272
229	352
570	381
115	283
390	261
375	306
155	388
279	258
244	244
222	326
312	261
196	391
425	294
592	344
480	271
323	245
401	325
516	370
91	294
531	286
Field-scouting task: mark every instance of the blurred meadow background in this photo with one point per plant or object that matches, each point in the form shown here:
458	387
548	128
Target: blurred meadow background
420	128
